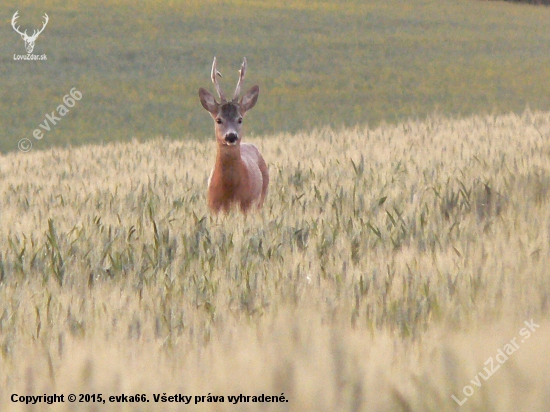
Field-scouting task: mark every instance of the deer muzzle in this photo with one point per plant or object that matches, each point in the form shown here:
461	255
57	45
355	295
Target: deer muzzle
231	138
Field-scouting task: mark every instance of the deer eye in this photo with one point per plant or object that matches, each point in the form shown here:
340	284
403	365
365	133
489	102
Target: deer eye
219	121
240	120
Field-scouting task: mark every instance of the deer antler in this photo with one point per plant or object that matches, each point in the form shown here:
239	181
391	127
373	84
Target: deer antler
35	34
214	75
242	72
15	17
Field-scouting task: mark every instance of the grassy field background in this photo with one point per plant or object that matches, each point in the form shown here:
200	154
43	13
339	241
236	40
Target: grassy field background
403	242
340	63
387	265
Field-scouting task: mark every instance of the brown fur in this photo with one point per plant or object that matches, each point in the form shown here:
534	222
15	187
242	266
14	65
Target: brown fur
240	176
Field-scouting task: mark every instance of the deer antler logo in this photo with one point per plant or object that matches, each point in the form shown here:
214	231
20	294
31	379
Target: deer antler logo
29	40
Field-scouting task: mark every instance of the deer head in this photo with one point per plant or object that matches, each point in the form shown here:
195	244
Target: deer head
228	115
29	40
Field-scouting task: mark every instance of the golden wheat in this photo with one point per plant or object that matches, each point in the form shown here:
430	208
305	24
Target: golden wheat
385	268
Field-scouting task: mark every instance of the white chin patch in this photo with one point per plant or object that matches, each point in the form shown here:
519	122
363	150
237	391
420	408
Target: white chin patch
231	144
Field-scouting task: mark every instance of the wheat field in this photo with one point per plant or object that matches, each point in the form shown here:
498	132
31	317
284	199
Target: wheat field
387	265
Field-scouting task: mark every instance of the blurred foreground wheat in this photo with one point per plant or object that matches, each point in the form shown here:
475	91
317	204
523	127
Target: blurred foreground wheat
385	268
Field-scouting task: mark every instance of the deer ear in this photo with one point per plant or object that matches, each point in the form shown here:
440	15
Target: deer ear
249	99
208	101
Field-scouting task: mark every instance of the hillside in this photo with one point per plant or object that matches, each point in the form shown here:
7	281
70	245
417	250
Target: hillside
338	63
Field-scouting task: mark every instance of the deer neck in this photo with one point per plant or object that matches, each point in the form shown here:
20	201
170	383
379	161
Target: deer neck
230	170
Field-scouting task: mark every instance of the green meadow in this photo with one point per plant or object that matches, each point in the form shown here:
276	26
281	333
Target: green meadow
340	63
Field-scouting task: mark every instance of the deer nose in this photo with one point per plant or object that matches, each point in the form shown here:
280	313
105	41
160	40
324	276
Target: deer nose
231	137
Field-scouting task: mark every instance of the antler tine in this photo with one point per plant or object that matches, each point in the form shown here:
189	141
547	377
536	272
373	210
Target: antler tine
13	19
214	75
46	19
35	33
242	72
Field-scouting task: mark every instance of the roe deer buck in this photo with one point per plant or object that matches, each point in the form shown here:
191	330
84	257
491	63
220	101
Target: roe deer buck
240	175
